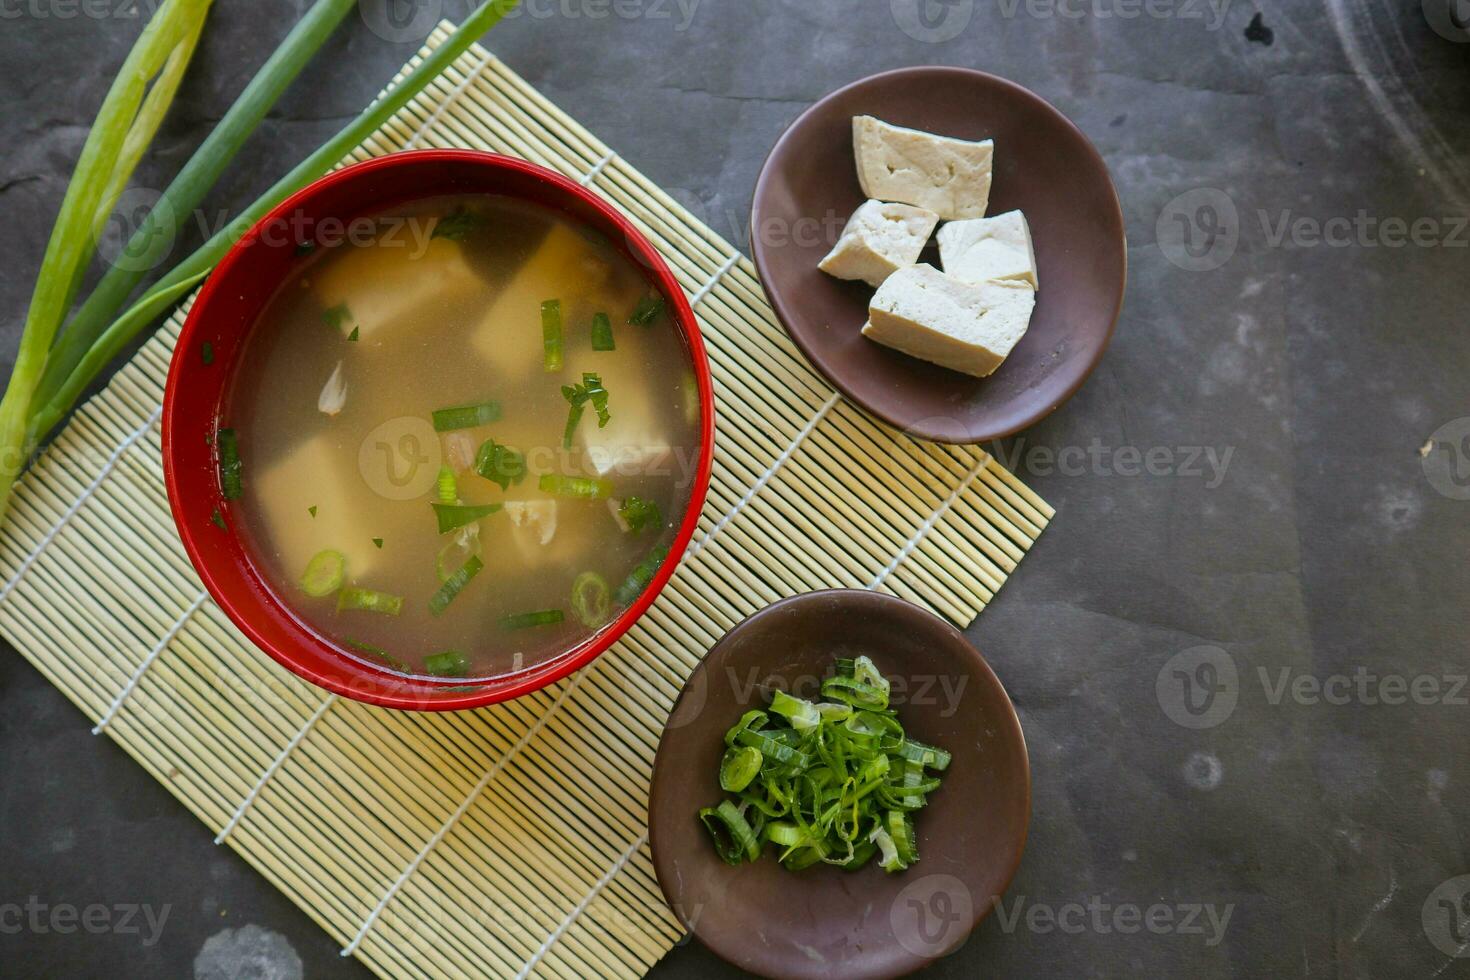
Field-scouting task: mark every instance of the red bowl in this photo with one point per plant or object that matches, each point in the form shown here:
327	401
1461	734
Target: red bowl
225	312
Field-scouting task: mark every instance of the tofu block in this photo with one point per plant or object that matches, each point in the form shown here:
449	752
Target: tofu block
509	334
306	478
963	326
879	240
950	177
981	249
644	408
384	283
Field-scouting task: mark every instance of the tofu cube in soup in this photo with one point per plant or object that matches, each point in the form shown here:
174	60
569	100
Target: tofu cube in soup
981	249
962	326
950	177
634	444
392	281
311	502
879	240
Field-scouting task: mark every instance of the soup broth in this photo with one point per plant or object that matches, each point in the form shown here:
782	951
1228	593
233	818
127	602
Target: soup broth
465	440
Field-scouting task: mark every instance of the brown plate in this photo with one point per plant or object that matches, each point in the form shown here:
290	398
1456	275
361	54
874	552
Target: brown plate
825	922
1043	165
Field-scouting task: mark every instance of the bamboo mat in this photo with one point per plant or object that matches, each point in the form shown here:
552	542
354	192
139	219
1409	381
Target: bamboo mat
509	841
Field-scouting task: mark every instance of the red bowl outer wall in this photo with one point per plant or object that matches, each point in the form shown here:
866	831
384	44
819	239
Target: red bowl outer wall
223	315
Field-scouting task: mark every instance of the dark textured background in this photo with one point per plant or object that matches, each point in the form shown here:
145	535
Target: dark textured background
1324	548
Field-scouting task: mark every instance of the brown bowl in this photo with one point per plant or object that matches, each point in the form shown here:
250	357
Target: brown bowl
826	922
1043	165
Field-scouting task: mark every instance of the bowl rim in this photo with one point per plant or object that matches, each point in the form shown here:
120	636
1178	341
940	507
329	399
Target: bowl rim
811	351
401	692
1010	719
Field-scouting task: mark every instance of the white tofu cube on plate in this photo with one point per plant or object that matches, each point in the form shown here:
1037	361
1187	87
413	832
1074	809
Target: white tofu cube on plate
962	326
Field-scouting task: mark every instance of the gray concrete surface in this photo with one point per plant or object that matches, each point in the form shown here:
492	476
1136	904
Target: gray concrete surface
1311	575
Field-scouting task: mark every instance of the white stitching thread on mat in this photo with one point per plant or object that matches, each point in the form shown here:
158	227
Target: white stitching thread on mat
597	169
574	914
270	770
76	505
158	648
928	525
714	280
451	99
463	808
768	475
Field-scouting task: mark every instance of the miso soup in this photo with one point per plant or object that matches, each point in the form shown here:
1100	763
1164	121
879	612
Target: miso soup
463	438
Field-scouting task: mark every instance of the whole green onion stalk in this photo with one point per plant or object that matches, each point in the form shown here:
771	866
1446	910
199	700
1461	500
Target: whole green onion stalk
150	243
124	124
88	346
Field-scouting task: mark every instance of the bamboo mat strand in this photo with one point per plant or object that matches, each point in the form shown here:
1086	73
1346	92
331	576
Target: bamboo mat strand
512	840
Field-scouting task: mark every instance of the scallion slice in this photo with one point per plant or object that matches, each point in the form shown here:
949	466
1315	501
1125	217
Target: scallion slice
734	839
602	335
576	487
528	620
452	517
638	514
446	486
230	483
826	782
324	573
466	416
452	586
551	335
739	767
591	599
369	600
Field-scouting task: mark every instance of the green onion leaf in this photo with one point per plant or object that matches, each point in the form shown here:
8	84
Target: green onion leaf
499	464
638	514
337	316
648	310
356	332
602	335
457	224
369	600
639	578
450	663
206	353
377	653
466	416
218	520
520	621
324	573
453	585
578	396
551	335
229	464
591	599
311	510
576	487
452	517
